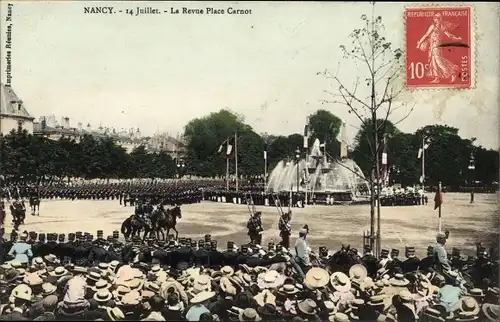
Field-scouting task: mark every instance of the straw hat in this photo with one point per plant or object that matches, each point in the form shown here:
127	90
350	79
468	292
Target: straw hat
340	282
115	314
131	298
265	297
399	280
308	307
202	283
227	270
226	286
316	277
33	279
94	276
249	315
289	289
100	284
269	279
48	289
358	273
121	291
51	258
339	317
202	297
22	292
153	287
491	311
433	314
103	295
469	306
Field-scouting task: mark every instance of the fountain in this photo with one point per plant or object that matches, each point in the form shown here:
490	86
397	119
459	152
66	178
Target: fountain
336	181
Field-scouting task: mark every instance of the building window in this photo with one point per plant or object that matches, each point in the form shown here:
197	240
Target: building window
19	126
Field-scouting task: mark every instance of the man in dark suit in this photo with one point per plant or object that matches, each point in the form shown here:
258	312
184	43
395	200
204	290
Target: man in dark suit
412	262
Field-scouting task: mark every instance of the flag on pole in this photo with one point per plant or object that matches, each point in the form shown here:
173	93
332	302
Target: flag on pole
421	150
265	151
385	169
226	146
306	136
438	199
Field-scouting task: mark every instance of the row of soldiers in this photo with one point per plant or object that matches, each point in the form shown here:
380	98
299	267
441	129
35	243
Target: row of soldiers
82	249
180	192
404	199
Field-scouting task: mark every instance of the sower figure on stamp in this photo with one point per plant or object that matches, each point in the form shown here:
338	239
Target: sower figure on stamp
285	229
255	229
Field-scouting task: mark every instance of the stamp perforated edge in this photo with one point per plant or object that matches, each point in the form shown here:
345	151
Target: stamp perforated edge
473	44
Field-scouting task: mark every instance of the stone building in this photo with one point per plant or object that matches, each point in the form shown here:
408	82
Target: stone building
13	113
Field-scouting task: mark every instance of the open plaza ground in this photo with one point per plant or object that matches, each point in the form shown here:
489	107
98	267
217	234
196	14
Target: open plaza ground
329	225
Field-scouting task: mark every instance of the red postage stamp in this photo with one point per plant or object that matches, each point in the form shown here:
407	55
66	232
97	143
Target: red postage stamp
438	47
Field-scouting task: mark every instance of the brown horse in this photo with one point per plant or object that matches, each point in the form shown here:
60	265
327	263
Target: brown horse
132	226
166	219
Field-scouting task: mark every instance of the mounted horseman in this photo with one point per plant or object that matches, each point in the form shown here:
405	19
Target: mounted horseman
140	220
35	201
166	219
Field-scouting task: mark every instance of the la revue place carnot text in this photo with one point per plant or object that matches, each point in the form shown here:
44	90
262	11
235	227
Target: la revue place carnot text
175	11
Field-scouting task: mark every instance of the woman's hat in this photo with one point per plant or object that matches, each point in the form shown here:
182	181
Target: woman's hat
202	297
249	315
103	295
399	280
340	282
270	279
308	307
316	277
358	273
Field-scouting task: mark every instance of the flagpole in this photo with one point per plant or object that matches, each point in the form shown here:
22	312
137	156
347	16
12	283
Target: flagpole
265	169
423	163
227	167
439	215
236	158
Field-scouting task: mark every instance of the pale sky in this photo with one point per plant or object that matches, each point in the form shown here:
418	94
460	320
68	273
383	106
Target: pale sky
157	72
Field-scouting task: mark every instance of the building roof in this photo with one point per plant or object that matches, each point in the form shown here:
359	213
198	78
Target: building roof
9	103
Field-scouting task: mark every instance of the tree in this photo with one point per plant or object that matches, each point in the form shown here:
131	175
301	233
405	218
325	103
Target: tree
383	68
205	135
325	126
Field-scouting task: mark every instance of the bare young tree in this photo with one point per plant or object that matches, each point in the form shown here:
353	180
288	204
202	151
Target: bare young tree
373	96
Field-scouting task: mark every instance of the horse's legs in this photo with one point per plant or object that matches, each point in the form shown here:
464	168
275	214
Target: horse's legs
176	233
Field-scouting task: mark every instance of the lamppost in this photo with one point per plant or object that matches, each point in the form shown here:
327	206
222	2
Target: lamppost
472	167
297	158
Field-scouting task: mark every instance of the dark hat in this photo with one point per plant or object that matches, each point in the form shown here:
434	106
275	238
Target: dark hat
208	237
279	248
100	233
193	243
90	237
410	250
71	236
455	251
86	233
213	244
41	237
244	249
270	246
430	250
188	241
384	252
116	232
62	237
78	233
367	248
201	243
394	252
230	245
109	238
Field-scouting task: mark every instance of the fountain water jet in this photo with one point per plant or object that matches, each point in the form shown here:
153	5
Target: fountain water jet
342	179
